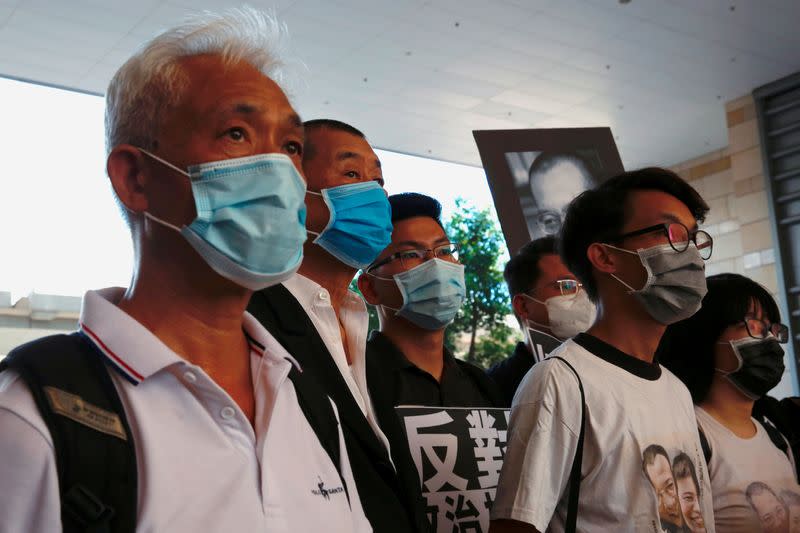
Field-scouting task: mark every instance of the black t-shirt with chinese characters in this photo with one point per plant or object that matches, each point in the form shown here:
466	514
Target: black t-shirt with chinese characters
461	385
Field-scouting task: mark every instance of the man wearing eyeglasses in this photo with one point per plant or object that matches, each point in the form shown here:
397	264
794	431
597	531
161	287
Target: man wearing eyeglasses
634	244
417	285
550	305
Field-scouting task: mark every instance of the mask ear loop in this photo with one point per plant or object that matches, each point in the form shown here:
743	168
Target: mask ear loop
736	354
176	169
650	276
528	321
396	310
331	215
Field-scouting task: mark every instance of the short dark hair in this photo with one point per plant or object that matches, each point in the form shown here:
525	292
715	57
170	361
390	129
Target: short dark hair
413	204
598	215
683	467
687	347
649	457
758	487
522	271
327	123
790	498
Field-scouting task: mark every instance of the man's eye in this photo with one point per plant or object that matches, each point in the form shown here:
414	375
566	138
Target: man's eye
411	254
351	174
294	148
236	134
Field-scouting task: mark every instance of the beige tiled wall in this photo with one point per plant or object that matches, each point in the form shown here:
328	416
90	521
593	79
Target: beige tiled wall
731	181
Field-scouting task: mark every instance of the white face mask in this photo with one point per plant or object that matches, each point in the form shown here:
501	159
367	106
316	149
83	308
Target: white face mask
568	315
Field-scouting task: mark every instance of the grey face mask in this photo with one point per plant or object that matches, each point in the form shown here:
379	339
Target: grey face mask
676	282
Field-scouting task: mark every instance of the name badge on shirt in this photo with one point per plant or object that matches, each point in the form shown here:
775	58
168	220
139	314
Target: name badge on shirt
76	408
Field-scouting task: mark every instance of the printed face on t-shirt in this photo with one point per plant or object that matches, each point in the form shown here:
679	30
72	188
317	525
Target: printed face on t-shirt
772	513
690	505
660	475
794	519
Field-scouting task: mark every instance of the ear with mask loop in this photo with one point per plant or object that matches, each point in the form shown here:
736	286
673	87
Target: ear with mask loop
250	223
359	226
676	283
650	276
760	367
568	315
432	293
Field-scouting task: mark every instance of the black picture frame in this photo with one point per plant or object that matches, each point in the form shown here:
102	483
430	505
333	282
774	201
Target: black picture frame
563	162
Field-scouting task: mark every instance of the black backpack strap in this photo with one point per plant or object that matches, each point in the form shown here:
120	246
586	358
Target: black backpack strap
775	436
706	447
575	474
92	441
318	411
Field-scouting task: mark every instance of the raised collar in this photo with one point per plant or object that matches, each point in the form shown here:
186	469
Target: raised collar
133	350
615	356
309	293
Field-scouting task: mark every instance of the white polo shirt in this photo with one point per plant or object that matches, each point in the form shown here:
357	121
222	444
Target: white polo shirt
316	302
201	464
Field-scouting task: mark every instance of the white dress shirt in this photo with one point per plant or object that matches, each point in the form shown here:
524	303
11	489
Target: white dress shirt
201	465
316	301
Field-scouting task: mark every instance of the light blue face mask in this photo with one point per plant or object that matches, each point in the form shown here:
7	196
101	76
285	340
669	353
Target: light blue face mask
432	293
251	214
360	223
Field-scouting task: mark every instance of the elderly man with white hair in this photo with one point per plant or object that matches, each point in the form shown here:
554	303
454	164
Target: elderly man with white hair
172	409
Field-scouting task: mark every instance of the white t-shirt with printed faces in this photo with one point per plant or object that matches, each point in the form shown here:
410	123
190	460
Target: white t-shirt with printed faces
640	434
753	482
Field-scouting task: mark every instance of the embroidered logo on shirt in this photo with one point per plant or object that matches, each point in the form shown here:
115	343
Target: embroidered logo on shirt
325	493
76	408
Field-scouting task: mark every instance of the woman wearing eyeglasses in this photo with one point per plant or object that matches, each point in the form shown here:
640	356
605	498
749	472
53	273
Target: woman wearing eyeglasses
729	355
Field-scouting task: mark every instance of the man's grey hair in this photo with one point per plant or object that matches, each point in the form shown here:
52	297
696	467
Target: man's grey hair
152	81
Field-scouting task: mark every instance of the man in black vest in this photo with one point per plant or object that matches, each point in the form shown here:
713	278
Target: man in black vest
324	325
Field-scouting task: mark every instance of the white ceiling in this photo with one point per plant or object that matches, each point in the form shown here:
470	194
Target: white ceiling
418	76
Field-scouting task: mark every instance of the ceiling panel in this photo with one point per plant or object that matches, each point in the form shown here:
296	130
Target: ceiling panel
417	76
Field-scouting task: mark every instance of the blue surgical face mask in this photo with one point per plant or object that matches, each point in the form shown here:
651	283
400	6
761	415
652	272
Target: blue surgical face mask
251	214
360	223
432	293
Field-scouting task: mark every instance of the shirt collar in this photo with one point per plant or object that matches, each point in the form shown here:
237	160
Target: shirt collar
309	293
133	350
393	358
615	356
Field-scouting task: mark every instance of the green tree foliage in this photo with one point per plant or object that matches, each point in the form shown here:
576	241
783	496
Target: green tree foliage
495	345
487	301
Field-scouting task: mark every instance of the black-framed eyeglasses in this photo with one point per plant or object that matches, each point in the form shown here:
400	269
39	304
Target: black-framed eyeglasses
415	257
679	237
760	329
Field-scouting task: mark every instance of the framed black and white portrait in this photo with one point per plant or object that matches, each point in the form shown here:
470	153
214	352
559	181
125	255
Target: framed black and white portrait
534	174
